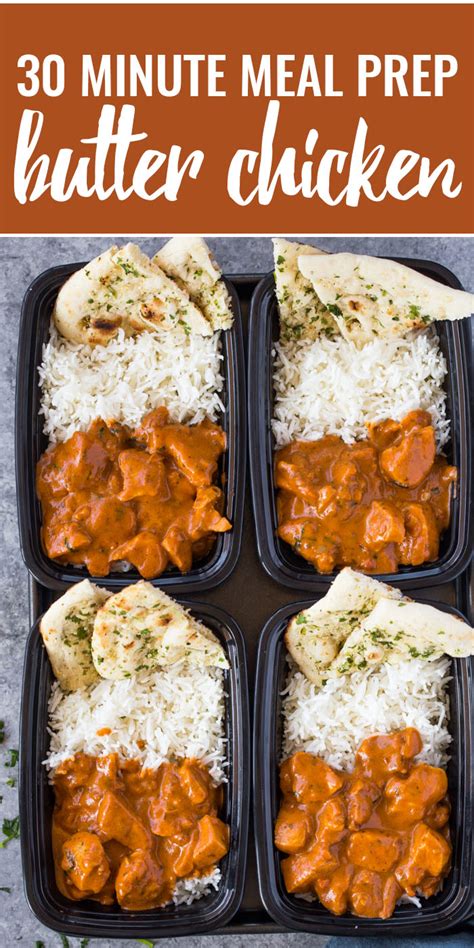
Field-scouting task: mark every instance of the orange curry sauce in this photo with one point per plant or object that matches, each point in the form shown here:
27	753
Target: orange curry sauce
145	496
373	505
361	840
127	834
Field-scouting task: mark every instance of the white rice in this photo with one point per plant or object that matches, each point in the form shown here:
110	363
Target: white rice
331	387
128	377
177	712
188	890
332	721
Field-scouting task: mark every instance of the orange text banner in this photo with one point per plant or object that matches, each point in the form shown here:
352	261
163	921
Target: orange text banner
237	118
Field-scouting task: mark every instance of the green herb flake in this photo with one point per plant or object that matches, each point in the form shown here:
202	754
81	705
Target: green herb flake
128	268
10	830
13	760
335	310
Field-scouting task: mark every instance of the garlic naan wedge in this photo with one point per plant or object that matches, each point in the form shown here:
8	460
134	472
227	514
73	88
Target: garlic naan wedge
141	628
315	636
398	630
66	629
188	260
354	591
123	289
370	297
361	622
302	315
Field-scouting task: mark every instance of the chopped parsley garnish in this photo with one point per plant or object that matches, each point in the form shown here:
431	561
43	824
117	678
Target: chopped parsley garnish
128	268
335	310
10	830
14	754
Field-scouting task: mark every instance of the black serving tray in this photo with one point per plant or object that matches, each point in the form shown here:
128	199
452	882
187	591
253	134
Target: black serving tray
89	918
30	442
278	558
250	596
453	904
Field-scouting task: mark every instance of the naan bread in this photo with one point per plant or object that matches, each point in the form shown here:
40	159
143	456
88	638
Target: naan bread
123	288
400	630
66	629
362	622
313	642
370	297
315	636
141	628
354	591
189	261
302	315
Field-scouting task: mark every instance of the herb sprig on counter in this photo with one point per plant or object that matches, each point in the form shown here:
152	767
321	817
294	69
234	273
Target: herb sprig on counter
10	830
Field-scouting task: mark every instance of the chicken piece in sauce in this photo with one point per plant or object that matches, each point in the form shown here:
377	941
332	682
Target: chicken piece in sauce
146	497
427	860
85	864
373	505
360	840
121	833
141	882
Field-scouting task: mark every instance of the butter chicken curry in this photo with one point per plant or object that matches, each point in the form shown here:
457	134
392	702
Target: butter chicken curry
127	834
372	505
362	840
146	497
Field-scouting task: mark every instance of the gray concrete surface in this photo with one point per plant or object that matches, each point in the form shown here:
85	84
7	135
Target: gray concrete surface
21	259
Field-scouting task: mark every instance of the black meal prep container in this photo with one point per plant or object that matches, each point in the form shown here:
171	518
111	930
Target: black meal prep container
277	557
447	909
36	312
89	918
